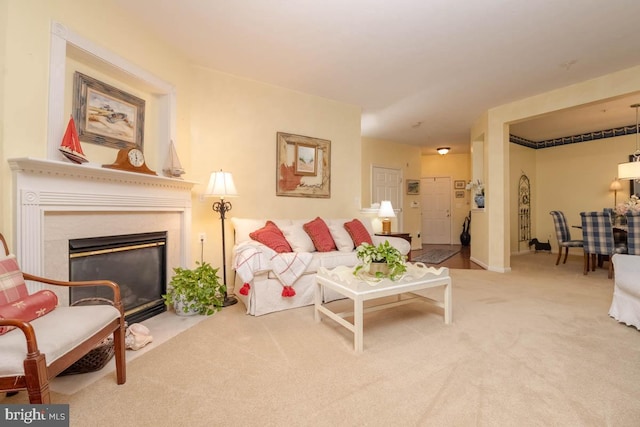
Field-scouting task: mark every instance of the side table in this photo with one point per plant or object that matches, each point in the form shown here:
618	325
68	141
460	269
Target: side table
405	236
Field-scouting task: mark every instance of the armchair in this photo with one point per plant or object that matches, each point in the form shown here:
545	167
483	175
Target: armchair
35	350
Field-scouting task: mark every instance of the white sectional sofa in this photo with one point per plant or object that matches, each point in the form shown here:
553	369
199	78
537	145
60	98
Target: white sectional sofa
257	281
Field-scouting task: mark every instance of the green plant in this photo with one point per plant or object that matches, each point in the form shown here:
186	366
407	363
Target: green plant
384	252
199	289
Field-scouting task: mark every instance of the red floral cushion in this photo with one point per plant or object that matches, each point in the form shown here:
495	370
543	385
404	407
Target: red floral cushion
358	232
12	286
28	308
271	236
320	235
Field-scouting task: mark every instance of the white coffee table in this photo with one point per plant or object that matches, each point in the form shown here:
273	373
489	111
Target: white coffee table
342	280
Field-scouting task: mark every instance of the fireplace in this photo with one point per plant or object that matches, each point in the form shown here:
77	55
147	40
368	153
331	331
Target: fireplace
136	262
56	202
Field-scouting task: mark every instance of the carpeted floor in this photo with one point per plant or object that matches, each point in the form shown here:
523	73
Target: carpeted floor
532	347
436	255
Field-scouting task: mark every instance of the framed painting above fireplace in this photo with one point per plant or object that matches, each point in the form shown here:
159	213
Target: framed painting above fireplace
106	115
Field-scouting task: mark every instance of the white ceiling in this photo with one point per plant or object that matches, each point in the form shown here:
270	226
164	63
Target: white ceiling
421	70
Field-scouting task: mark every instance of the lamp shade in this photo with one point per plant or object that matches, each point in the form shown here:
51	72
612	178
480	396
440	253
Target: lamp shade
443	150
386	210
221	185
615	185
629	170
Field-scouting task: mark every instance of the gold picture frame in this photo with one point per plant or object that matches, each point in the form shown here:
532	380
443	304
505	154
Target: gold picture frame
310	177
459	184
106	115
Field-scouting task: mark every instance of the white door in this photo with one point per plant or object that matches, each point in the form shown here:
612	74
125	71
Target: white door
386	185
435	199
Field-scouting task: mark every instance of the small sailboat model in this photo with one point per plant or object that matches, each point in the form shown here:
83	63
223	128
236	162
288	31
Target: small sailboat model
70	146
172	167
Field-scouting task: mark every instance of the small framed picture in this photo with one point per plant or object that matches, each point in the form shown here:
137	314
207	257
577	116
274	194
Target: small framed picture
459	185
459	194
413	186
305	161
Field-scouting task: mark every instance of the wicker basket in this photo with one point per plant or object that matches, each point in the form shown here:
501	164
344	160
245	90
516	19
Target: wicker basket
100	355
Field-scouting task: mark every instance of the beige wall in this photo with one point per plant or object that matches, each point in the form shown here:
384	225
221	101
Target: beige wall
234	126
223	122
575	178
393	155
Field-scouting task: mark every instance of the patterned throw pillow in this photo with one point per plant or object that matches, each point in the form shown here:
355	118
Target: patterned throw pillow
320	235
271	236
12	286
28	308
358	232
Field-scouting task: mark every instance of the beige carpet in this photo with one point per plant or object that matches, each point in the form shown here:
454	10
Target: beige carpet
534	347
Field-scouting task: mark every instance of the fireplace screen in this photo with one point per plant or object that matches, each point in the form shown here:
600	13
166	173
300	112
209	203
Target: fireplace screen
136	262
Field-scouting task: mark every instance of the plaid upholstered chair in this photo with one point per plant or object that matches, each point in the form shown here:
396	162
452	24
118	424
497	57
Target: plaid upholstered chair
597	234
564	235
39	339
633	233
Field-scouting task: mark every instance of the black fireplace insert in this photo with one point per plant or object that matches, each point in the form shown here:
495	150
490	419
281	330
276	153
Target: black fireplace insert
136	262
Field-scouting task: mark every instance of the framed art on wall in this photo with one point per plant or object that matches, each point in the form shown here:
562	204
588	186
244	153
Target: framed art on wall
413	186
107	115
459	185
303	167
459	194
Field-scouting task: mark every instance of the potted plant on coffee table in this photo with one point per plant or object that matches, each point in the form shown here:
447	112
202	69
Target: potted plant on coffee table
380	261
195	291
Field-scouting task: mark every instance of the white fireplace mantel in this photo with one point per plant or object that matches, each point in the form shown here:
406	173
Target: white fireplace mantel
46	187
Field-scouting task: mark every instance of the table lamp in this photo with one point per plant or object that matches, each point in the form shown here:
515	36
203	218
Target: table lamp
386	212
221	185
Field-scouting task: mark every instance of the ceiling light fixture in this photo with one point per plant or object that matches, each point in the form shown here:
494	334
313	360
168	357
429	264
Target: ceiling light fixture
443	150
631	170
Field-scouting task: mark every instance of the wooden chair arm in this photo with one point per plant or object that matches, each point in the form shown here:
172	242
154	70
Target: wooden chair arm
27	330
114	286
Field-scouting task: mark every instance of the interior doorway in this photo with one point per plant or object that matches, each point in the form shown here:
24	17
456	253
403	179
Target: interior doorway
386	185
435	199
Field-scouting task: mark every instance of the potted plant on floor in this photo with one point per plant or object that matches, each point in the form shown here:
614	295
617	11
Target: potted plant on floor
381	261
196	291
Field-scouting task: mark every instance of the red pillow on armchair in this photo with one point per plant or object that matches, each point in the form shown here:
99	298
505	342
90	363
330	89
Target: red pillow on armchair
271	236
28	308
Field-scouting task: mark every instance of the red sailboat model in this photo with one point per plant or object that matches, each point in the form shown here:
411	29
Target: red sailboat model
70	146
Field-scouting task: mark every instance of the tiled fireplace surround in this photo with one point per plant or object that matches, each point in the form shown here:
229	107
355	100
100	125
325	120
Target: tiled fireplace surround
56	201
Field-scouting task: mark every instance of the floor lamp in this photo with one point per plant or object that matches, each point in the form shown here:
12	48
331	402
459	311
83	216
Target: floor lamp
221	185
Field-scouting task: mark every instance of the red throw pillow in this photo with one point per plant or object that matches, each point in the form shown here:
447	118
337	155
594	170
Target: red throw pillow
12	286
28	308
271	236
358	232
320	235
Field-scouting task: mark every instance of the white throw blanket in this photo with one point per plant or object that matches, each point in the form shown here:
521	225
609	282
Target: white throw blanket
252	257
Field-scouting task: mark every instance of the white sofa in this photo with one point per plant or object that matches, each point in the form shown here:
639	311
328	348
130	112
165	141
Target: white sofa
625	305
263	291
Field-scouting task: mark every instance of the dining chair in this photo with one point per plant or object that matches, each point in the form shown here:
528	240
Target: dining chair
597	234
564	235
633	233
